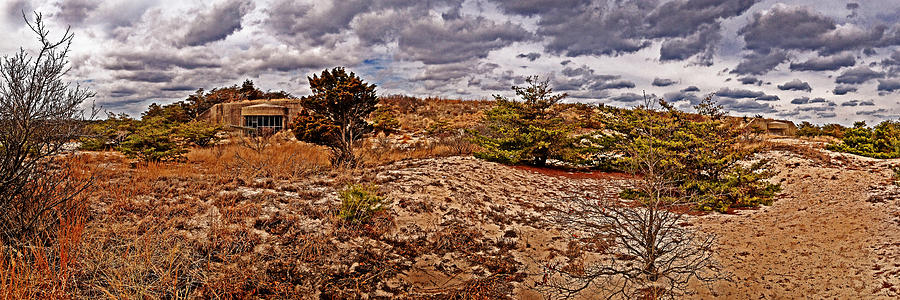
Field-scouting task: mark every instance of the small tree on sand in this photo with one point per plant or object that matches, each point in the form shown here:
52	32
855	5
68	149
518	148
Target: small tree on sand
530	131
39	114
335	114
636	250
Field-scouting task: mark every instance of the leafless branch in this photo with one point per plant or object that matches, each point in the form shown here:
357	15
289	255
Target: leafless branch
39	114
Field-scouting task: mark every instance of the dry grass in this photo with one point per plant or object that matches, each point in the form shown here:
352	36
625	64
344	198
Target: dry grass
812	152
281	160
375	153
232	221
416	114
46	271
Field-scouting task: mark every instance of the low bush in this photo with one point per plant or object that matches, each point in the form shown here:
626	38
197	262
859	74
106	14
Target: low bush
881	141
153	141
531	131
107	134
384	120
807	129
359	204
198	133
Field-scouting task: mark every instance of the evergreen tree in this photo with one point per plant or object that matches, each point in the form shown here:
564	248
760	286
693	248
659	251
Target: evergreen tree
531	131
335	114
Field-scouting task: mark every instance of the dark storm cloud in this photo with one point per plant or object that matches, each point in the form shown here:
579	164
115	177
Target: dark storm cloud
892	63
694	25
826	63
843	89
74	12
852	7
263	58
745	106
457	40
122	92
218	23
537	7
801	100
118	18
691	89
750	80
768	98
628	98
158	60
785	28
702	42
738	93
575	27
585	79
663	81
681	96
293	19
799	28
616	84
759	64
449	72
178	88
143	76
889	85
679	18
795	85
858	75
816	108
595	28
807	100
850	103
14	9
530	56
871	112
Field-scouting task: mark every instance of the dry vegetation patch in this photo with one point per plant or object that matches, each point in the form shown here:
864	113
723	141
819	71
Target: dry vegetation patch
234	223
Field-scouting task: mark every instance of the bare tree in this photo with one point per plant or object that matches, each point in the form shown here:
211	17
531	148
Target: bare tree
39	114
636	249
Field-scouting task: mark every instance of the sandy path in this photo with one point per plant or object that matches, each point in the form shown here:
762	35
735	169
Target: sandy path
821	239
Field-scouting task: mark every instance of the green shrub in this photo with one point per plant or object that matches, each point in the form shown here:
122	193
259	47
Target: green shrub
531	131
881	141
107	134
700	155
384	119
198	133
153	141
359	203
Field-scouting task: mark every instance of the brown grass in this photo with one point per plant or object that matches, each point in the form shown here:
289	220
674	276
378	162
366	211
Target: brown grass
231	221
812	152
45	271
417	114
381	153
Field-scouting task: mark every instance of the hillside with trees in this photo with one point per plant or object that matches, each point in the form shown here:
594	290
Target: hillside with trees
369	196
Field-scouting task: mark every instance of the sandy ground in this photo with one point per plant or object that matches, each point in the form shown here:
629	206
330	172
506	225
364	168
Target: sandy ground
824	238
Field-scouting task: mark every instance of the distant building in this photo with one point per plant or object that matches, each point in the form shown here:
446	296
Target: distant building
770	126
253	114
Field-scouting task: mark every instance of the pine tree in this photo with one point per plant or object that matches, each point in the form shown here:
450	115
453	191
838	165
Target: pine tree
531	131
335	114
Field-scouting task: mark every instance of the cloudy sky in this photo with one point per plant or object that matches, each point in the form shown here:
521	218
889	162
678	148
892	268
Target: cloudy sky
816	60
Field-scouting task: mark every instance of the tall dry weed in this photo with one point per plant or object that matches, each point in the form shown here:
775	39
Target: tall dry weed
48	270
